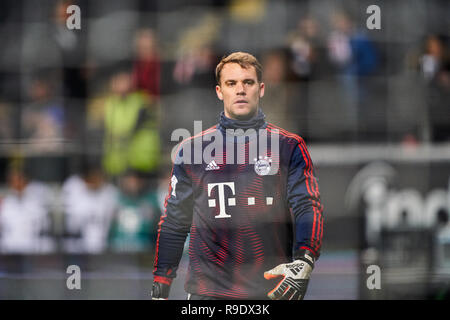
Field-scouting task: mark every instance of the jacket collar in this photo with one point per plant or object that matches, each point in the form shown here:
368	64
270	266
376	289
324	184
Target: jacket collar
257	122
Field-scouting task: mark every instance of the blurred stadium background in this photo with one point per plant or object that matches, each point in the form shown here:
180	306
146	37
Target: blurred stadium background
86	118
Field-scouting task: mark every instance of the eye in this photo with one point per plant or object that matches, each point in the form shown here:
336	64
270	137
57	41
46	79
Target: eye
249	82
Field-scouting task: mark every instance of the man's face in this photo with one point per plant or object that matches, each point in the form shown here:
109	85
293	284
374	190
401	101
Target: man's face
240	91
121	83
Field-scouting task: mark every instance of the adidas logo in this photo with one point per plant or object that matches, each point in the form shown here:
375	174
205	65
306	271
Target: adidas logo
212	166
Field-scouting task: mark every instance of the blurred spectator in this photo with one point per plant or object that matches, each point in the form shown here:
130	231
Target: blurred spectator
72	51
306	60
25	221
131	138
43	116
275	104
434	63
47	43
147	64
43	124
435	68
137	215
193	65
274	63
89	204
196	55
305	49
354	56
350	49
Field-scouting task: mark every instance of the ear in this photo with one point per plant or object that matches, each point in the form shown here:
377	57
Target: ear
219	92
261	89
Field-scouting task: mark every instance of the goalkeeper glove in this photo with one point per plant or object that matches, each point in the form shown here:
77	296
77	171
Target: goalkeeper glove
295	279
161	288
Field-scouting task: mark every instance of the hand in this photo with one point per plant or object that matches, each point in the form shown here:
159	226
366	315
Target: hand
295	279
161	288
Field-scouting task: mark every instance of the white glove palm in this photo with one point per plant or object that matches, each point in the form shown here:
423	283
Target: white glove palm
295	280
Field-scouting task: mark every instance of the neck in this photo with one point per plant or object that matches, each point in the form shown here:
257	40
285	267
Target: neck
255	121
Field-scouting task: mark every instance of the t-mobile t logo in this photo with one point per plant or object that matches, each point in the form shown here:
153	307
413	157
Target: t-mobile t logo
230	201
221	189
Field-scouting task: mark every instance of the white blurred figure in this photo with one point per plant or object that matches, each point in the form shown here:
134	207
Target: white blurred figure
432	62
25	223
89	205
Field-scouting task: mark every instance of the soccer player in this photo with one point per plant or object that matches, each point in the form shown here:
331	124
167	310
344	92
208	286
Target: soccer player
256	223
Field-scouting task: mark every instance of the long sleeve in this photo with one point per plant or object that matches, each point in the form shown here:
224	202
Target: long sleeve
304	200
174	224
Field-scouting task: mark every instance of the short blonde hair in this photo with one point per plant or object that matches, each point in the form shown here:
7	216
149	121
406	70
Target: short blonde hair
244	59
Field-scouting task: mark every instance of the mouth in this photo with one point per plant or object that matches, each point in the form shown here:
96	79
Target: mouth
241	102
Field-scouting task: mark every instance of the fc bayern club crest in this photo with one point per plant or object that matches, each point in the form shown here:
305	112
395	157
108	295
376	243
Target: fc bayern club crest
262	165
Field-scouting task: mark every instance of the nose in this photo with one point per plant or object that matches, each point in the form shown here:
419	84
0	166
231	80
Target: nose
240	89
